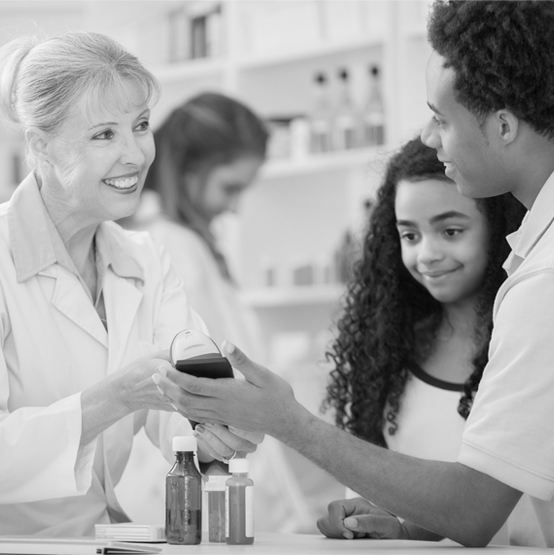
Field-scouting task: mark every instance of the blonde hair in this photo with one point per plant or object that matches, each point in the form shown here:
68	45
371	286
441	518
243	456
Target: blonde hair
41	81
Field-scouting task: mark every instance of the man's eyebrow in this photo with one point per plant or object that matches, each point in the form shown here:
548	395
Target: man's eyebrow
436	219
434	108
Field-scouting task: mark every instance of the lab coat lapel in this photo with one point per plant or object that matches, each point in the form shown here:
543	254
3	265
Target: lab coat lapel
122	299
72	300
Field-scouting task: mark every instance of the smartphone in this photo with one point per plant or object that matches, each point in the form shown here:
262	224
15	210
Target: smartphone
193	352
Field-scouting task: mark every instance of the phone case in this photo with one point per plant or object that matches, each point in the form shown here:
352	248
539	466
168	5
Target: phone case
197	354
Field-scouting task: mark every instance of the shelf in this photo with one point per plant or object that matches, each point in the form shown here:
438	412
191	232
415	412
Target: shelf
188	70
306	53
321	163
275	297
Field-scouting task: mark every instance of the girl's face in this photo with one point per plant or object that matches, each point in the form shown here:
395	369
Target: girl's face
219	191
443	237
98	161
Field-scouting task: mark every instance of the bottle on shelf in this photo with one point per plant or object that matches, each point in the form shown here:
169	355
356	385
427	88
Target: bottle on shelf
373	119
346	256
344	120
183	495
320	117
239	521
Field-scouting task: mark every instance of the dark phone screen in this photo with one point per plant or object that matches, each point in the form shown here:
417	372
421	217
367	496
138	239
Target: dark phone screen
203	366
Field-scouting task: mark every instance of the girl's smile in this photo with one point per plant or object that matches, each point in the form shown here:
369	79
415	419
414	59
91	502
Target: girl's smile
443	238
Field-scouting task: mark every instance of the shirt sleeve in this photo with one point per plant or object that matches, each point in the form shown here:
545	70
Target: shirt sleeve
41	458
509	434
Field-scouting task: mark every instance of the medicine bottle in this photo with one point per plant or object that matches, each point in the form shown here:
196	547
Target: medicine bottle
183	495
373	120
344	122
239	521
215	487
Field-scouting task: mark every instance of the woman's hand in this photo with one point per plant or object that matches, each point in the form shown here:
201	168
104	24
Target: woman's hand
223	443
134	385
358	518
123	392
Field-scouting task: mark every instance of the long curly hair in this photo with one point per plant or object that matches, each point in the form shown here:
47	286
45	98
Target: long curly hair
389	321
502	54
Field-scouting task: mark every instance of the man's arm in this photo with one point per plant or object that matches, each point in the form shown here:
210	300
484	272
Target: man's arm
449	499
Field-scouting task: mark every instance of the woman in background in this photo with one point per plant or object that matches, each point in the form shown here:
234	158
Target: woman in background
208	153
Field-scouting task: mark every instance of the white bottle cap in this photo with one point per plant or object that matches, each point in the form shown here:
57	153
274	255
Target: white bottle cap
239	465
184	443
216	482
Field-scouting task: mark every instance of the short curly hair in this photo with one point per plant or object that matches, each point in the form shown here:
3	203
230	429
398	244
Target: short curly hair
503	55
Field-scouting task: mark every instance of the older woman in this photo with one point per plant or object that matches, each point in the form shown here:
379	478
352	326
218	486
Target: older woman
85	307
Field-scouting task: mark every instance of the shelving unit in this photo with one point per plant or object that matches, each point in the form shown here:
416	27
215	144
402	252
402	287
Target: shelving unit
301	206
269	297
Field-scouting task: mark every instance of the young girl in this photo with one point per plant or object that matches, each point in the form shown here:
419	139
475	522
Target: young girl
413	338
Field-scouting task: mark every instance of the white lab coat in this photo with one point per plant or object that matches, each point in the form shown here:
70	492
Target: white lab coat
53	347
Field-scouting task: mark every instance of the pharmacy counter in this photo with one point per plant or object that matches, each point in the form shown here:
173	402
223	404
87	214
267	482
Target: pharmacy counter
265	544
306	544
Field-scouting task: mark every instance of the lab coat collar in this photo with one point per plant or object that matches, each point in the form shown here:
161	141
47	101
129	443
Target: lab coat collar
112	247
534	225
36	244
30	235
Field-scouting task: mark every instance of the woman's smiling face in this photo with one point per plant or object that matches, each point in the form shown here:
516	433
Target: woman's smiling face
99	157
443	237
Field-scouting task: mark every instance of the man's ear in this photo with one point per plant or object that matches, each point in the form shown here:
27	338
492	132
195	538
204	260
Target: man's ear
506	125
37	143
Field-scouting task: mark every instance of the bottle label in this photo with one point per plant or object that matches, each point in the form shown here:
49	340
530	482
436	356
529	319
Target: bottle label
227	511
249	511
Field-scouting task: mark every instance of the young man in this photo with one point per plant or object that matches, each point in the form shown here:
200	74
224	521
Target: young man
490	85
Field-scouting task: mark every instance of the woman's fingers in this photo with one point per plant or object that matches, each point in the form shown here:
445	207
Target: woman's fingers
253	437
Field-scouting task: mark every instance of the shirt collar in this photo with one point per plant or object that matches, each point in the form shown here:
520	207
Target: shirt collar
534	225
36	243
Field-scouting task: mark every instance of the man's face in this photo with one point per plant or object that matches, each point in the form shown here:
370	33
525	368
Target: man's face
470	158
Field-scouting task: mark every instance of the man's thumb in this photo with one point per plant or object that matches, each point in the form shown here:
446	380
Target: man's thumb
351	523
239	360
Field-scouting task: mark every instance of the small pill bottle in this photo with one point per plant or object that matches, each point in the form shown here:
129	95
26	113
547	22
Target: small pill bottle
239	513
215	488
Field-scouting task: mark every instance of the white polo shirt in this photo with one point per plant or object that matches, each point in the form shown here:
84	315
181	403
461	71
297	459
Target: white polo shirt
509	434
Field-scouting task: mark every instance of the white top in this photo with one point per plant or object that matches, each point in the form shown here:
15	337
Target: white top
54	346
429	425
510	432
217	300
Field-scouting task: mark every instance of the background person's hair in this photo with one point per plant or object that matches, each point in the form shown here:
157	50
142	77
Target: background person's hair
390	321
41	81
209	130
503	56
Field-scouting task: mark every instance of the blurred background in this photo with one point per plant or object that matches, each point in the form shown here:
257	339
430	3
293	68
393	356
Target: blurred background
340	84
